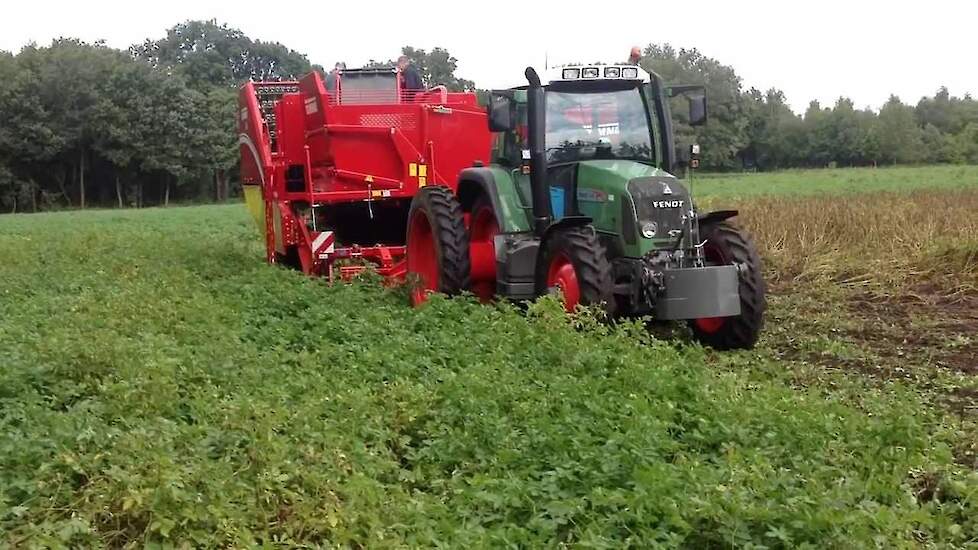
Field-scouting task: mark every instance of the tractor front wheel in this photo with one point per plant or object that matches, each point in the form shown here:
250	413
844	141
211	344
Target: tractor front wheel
574	262
437	247
726	244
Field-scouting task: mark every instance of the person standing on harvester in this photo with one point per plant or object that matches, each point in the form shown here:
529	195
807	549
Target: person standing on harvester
635	56
331	76
410	78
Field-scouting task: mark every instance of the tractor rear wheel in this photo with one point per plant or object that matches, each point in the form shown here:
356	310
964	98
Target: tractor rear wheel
574	261
437	248
726	244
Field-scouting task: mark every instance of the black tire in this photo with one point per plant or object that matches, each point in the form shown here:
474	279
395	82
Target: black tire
726	244
590	262
438	207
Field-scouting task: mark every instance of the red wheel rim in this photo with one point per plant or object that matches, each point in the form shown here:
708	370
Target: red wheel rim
561	274
482	230
421	259
710	325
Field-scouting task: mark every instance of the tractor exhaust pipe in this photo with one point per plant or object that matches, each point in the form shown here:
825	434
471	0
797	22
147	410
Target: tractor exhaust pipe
536	112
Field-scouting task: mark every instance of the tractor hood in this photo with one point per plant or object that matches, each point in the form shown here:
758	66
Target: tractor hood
621	170
623	197
661	208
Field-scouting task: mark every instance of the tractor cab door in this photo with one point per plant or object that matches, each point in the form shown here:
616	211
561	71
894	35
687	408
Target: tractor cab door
508	121
562	180
580	128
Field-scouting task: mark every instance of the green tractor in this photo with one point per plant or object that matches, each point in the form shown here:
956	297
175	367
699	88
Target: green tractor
579	198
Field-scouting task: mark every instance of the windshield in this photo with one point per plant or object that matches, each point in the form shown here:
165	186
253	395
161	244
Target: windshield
597	125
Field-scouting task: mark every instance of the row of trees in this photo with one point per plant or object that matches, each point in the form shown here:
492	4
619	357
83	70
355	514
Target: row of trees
86	124
754	129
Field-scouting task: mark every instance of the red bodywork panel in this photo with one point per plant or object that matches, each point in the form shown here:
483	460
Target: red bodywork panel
309	150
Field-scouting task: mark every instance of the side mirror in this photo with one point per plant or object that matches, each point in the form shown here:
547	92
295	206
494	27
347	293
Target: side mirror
697	110
501	113
689	157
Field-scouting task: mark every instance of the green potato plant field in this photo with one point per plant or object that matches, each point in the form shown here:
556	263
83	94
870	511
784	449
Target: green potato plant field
160	385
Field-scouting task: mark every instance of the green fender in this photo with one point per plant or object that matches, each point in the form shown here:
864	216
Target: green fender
500	185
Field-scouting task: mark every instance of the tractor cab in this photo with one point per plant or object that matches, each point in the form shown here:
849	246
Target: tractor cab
607	138
598	113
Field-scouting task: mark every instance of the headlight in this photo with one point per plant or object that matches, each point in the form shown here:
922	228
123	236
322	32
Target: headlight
629	72
612	72
649	229
569	74
590	72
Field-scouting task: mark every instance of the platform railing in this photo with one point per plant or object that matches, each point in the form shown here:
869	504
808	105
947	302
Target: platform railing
436	95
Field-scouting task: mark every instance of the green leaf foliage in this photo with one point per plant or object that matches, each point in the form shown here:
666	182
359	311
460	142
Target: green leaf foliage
161	385
212	54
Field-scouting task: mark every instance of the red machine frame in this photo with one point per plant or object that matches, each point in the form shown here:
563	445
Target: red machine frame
306	148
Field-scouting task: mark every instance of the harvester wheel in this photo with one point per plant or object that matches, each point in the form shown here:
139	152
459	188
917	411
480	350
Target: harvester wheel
483	229
575	262
726	244
437	248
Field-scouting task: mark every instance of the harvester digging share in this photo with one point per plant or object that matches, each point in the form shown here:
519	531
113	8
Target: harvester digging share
565	185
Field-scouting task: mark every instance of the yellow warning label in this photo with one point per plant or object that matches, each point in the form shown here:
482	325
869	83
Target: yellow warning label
369	179
422	181
377	193
423	171
413	169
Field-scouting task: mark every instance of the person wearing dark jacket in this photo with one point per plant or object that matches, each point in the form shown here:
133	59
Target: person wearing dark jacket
411	82
331	76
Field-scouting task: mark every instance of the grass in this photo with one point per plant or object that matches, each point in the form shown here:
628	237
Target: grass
160	385
840	181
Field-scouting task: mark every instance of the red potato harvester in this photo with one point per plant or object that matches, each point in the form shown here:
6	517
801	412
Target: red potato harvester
329	175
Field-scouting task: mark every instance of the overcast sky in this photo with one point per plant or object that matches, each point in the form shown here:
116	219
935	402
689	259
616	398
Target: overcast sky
863	49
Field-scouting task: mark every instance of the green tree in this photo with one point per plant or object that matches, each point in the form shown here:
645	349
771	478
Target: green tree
946	120
209	54
900	137
213	59
171	134
870	147
967	144
80	112
818	133
8	189
122	143
937	111
725	136
846	134
219	137
937	146
776	133
29	137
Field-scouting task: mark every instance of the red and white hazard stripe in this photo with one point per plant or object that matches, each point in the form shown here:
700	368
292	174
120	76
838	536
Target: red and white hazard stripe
323	245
